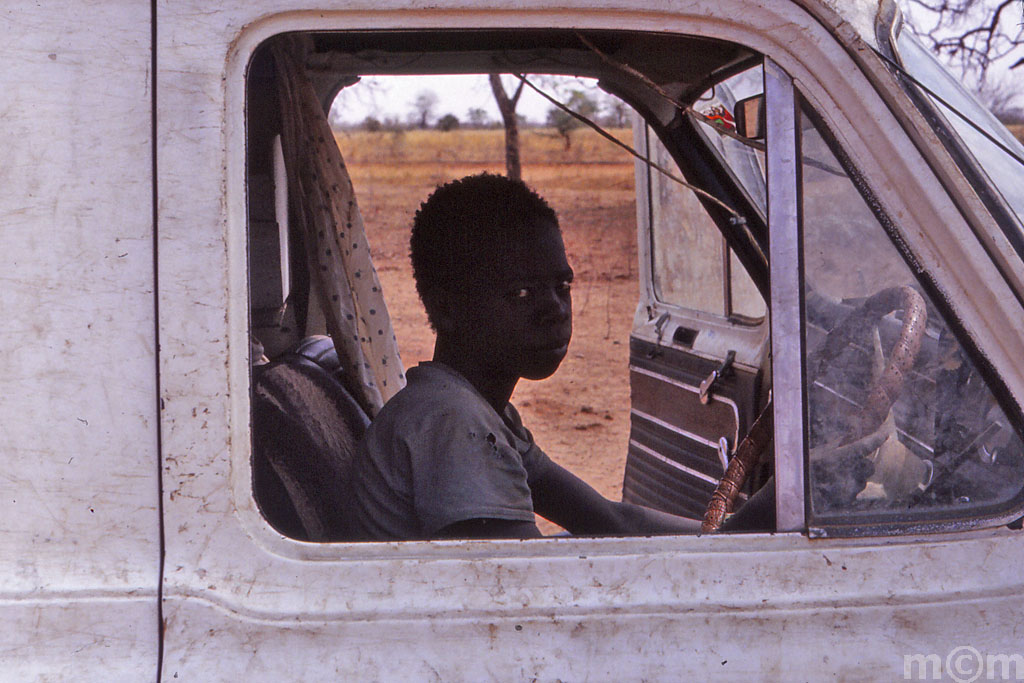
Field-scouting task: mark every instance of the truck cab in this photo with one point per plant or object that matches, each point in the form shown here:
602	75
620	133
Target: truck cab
841	253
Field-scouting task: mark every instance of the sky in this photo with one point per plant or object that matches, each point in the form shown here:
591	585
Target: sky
980	13
393	96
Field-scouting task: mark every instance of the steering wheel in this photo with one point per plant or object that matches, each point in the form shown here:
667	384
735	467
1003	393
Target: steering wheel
882	394
886	387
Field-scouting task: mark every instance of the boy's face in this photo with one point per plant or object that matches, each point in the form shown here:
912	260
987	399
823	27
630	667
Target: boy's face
516	315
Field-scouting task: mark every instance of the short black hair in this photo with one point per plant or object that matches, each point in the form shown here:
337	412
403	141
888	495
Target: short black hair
459	220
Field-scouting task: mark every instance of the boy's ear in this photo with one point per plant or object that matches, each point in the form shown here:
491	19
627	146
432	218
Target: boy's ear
444	322
441	315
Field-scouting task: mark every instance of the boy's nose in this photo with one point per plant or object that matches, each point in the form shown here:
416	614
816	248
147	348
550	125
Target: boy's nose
554	305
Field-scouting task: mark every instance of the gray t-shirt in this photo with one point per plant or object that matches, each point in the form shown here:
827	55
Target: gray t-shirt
438	454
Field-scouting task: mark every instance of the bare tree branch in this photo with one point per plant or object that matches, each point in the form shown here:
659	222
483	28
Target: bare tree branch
971	34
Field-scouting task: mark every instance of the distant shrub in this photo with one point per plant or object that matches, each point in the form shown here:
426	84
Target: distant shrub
564	122
448	122
372	124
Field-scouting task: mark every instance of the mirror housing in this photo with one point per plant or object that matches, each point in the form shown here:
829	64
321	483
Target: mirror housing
749	117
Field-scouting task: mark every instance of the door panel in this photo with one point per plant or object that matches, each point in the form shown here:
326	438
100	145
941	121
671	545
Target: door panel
241	602
674	460
654	390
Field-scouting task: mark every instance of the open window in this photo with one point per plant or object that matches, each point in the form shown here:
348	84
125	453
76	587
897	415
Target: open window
701	362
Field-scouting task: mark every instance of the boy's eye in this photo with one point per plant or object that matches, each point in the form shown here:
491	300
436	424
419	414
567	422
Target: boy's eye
565	286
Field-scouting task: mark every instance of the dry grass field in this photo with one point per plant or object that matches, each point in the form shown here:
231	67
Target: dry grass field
580	416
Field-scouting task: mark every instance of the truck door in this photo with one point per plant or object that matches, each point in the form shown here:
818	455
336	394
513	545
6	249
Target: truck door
698	350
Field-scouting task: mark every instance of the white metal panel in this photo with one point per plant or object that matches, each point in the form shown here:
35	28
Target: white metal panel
99	638
859	14
79	528
786	320
744	608
601	608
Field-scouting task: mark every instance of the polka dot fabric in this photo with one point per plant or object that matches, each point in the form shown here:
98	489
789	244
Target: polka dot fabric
337	250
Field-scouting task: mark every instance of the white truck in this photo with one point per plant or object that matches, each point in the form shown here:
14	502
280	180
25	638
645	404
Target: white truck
862	225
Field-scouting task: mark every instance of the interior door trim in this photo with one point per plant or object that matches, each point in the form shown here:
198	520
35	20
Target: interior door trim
677	430
672	463
693	390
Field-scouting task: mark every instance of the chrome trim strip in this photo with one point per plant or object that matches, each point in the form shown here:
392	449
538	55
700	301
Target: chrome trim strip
672	463
787	344
693	390
713	445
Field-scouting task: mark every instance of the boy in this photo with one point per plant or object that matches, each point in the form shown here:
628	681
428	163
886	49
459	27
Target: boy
448	456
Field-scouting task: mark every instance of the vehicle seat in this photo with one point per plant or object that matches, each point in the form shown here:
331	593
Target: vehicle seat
306	426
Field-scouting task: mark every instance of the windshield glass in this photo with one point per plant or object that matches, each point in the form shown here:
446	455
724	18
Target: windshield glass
995	152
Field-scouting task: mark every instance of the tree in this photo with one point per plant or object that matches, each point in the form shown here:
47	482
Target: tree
507	107
478	117
617	113
448	122
424	105
971	35
564	122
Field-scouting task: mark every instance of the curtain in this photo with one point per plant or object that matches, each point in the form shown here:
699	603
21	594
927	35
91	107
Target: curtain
322	200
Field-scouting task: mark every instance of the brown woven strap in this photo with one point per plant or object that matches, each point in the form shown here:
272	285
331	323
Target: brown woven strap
740	467
886	389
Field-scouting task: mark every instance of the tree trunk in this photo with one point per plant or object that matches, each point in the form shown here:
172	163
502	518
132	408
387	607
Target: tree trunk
507	107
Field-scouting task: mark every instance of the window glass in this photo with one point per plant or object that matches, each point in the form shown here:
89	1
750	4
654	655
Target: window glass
687	245
744	158
693	265
900	421
994	152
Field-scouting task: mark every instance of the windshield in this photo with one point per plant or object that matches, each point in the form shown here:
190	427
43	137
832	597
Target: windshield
995	152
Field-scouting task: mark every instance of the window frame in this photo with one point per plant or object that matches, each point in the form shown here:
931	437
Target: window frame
788	388
777	431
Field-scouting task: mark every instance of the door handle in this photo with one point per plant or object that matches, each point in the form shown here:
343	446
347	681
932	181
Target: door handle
709	383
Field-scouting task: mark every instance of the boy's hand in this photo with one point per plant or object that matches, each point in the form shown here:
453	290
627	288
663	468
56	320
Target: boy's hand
565	499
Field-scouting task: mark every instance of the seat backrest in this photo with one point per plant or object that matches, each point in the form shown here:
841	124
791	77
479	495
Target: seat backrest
306	427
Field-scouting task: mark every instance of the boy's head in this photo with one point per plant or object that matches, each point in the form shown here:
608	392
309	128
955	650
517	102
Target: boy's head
490	267
465	224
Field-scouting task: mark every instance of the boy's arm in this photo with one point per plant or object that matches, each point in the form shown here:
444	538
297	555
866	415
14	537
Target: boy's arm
490	528
565	499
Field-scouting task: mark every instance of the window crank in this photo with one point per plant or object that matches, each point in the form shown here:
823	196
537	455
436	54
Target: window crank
708	384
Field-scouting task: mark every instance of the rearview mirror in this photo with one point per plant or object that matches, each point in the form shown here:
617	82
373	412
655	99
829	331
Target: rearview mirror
749	117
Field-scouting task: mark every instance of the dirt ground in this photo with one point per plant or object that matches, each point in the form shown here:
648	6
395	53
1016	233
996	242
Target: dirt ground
580	416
